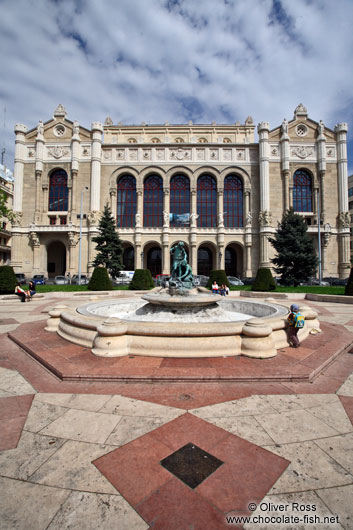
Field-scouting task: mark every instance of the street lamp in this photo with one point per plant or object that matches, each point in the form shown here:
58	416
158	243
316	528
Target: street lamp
319	233
80	240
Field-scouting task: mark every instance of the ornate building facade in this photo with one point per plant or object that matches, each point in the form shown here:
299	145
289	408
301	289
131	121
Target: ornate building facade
234	188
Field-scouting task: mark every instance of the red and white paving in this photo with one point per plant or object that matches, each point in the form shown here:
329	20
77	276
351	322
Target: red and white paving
81	447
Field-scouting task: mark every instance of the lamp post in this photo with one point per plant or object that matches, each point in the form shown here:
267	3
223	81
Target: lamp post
80	240
319	233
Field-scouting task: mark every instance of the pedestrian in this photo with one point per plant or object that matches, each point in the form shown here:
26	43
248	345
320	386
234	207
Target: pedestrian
20	292
296	322
31	290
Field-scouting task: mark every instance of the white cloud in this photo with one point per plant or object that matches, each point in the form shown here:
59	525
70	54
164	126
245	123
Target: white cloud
156	60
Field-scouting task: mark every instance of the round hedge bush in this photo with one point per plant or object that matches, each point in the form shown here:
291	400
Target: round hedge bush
100	280
8	280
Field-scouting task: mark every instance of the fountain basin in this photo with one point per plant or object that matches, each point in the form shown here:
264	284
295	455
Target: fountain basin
260	332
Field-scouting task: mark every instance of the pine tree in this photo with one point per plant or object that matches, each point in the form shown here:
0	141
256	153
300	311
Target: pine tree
296	257
109	247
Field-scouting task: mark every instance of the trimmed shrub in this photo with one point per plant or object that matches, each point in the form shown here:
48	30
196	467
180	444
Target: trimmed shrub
264	281
220	277
8	280
100	280
349	287
141	280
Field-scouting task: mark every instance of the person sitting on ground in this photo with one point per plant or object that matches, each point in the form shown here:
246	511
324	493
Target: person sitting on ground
20	292
215	287
296	322
222	290
31	289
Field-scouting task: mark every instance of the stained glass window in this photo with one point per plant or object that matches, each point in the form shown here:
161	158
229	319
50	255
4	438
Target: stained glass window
58	191
207	201
302	191
233	201
126	201
153	201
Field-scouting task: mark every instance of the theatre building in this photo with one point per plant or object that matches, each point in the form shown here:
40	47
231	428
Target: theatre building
234	187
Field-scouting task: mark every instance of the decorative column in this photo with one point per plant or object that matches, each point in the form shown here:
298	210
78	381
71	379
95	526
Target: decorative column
72	262
20	131
112	195
16	236
324	247
165	233
35	243
284	142
38	171
220	228
97	130
321	150
265	218
193	231
248	234
75	147
343	217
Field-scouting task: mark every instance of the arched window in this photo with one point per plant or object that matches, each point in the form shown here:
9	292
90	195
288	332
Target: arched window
58	191
126	201
202	140
233	201
207	201
155	141
204	261
179	140
230	262
154	261
128	259
302	191
153	201
179	195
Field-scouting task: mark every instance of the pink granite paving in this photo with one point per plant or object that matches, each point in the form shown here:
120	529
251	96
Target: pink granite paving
246	475
13	414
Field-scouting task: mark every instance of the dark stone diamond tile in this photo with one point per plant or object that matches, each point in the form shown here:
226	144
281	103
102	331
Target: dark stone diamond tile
191	464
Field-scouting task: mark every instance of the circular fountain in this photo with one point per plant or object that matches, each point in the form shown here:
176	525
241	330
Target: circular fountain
180	322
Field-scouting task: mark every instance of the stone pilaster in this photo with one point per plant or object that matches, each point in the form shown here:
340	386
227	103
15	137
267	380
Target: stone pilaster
97	131
284	143
20	131
343	218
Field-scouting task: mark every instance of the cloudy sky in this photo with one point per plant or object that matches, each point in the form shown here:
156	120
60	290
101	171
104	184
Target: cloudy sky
175	60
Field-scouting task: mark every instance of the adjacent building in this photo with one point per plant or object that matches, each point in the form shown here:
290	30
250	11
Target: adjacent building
6	186
234	188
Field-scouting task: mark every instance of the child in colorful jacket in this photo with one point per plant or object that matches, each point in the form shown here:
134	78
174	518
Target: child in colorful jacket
296	321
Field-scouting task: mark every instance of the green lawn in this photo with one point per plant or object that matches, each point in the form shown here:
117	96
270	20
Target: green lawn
70	288
316	289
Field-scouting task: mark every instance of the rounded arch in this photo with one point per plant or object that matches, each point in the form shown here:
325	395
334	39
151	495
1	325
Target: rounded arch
152	170
303	184
242	174
176	170
114	177
206	258
58	191
128	256
234	259
207	200
56	258
152	258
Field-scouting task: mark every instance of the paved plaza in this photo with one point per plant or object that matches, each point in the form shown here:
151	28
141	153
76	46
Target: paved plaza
89	452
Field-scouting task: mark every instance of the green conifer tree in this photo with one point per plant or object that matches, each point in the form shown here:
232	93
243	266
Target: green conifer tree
109	247
296	258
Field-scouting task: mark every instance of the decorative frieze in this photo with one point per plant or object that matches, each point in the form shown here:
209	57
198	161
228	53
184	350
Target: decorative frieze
302	151
180	154
58	151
